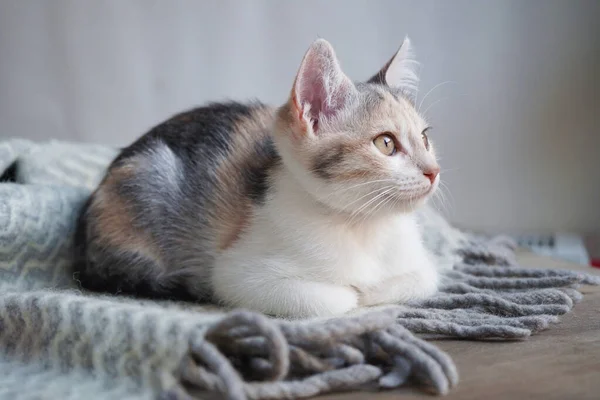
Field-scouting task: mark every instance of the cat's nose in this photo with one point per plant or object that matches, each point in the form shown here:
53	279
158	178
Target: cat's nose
432	173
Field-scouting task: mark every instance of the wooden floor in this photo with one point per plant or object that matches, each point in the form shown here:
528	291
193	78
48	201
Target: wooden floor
560	363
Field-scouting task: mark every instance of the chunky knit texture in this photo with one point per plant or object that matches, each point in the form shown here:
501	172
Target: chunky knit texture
69	344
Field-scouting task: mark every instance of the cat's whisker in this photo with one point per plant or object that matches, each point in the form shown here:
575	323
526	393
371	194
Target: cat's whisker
364	206
382	204
357	185
361	208
445	191
377	192
412	198
439	100
372	211
438	202
366	195
397	200
431	91
444	188
433	104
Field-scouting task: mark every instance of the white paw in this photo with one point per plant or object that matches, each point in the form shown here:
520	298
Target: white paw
400	289
335	300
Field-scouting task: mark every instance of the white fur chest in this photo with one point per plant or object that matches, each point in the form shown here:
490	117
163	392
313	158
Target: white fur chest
298	243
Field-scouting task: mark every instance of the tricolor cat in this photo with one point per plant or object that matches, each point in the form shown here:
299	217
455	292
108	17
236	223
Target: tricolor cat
298	211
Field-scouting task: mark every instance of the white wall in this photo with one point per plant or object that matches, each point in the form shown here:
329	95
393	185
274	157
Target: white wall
517	129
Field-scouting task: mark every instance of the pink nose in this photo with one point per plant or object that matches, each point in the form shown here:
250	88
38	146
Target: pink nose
432	174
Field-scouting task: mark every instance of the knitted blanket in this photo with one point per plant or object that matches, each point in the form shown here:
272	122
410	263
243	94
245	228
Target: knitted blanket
69	344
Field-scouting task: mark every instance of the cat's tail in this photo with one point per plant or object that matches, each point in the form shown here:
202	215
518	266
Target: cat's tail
105	269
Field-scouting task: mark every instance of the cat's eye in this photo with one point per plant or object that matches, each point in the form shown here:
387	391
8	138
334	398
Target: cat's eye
385	144
425	138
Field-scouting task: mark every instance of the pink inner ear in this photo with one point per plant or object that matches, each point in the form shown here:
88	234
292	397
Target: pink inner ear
315	124
321	86
311	91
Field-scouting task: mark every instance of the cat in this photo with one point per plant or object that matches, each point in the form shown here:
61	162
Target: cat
306	210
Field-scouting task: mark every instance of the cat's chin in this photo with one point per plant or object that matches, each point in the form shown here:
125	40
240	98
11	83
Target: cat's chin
413	204
411	207
403	207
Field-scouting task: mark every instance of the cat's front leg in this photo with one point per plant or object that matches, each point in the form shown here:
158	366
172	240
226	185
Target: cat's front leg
414	285
289	298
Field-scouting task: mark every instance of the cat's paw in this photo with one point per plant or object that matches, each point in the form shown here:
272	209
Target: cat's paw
338	300
398	289
369	296
320	300
362	294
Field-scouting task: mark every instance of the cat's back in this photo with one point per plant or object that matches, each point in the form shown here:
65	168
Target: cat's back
206	134
197	156
206	161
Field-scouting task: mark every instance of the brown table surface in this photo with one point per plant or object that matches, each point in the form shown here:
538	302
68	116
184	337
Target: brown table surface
562	362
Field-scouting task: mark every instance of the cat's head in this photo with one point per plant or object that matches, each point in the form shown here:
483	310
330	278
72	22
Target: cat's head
360	148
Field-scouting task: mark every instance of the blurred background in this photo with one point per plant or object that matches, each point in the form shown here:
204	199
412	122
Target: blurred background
512	86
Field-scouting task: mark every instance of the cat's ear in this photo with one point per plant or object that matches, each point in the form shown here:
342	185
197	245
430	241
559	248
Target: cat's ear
321	88
400	72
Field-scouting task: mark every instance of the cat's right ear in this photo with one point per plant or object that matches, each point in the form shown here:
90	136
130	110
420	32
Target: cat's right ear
321	89
400	72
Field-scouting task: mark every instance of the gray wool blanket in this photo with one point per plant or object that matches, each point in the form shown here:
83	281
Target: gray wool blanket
59	342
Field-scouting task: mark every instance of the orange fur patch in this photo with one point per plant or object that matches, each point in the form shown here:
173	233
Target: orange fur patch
233	209
113	223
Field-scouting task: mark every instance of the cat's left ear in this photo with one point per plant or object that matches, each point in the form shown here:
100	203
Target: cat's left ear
400	72
321	88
